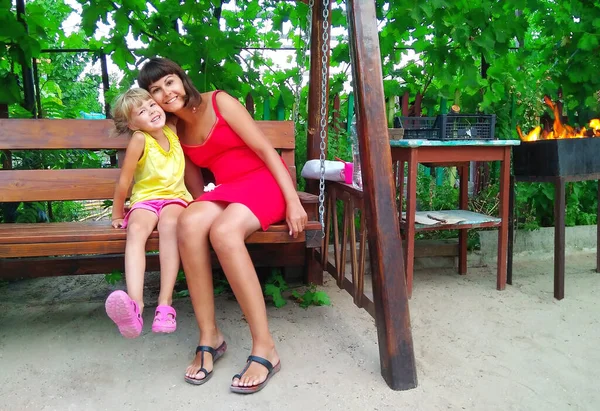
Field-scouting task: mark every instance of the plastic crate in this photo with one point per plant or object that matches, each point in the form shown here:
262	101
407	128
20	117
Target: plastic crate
449	127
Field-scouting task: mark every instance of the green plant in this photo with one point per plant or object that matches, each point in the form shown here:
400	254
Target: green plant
274	288
114	277
311	296
534	206
221	286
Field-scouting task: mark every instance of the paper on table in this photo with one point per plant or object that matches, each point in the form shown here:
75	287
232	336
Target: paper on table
444	218
421	218
432	218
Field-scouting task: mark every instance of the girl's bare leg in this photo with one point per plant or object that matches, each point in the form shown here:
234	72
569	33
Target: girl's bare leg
227	237
168	252
193	228
140	225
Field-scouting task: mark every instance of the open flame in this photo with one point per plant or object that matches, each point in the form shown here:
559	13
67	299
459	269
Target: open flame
559	130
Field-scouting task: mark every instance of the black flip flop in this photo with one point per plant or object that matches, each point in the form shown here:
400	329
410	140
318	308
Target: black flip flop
216	354
255	388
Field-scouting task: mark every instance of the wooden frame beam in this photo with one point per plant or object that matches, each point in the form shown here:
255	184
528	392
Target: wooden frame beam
385	247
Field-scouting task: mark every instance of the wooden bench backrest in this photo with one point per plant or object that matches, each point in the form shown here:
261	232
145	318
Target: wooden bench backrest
87	184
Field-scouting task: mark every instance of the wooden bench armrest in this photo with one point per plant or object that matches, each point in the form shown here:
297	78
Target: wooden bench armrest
307	198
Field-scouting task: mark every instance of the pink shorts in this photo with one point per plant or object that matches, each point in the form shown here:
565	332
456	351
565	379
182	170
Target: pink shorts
155	206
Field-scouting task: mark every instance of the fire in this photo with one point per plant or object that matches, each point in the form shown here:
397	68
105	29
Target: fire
559	130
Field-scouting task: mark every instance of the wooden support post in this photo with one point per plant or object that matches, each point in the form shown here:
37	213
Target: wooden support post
598	232
511	229
26	65
392	316
7	159
559	238
464	205
313	138
105	83
250	104
405	98
503	213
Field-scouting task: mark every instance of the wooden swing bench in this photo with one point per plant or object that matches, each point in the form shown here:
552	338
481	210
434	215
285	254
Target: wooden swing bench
88	247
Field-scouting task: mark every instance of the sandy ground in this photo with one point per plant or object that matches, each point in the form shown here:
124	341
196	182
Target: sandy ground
476	348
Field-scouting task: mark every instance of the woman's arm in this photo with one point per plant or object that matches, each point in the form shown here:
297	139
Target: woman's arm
244	125
134	152
193	179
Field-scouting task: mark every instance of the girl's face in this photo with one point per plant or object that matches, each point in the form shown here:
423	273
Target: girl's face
169	93
147	117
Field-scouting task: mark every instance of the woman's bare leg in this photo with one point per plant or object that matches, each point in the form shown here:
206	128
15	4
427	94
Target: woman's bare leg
140	225
227	237
193	228
168	252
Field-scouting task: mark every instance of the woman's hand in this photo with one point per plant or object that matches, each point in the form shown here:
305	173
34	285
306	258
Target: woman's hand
296	218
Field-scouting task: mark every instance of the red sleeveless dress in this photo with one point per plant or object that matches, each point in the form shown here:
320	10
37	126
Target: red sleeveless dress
240	175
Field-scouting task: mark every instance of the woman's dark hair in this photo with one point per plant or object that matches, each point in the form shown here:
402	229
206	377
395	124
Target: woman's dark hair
157	67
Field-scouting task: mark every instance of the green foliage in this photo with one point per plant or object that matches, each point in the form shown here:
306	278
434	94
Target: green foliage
221	286
433	197
535	204
31	213
274	288
311	296
181	293
114	277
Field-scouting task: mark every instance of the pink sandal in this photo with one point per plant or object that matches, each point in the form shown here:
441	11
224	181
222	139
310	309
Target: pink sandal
164	319
125	313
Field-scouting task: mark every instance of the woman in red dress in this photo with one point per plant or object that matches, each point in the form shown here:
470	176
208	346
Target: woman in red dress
253	190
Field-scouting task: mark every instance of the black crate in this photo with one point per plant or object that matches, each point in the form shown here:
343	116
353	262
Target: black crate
449	127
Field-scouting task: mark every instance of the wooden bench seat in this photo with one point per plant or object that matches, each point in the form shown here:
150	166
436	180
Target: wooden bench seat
64	248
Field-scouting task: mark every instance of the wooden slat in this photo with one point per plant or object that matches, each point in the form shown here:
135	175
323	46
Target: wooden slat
289	159
68	248
279	133
41	134
263	255
56	185
26	134
307	198
98	237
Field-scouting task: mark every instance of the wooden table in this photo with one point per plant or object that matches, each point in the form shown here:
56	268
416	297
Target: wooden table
457	153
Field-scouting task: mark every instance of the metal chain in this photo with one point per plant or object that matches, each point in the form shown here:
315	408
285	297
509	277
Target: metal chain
323	133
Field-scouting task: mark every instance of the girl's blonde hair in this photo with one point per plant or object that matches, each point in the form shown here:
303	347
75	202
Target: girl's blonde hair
124	104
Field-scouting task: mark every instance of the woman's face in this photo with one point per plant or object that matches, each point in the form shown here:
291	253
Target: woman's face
168	93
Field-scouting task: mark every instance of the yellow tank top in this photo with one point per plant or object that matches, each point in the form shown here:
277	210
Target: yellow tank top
159	173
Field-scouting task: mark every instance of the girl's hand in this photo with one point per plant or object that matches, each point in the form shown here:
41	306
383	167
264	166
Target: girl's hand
117	223
296	218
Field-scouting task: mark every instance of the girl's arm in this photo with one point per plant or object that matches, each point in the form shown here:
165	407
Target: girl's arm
134	152
193	179
244	125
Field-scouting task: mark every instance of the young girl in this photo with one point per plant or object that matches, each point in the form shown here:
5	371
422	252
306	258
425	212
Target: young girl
154	161
254	190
